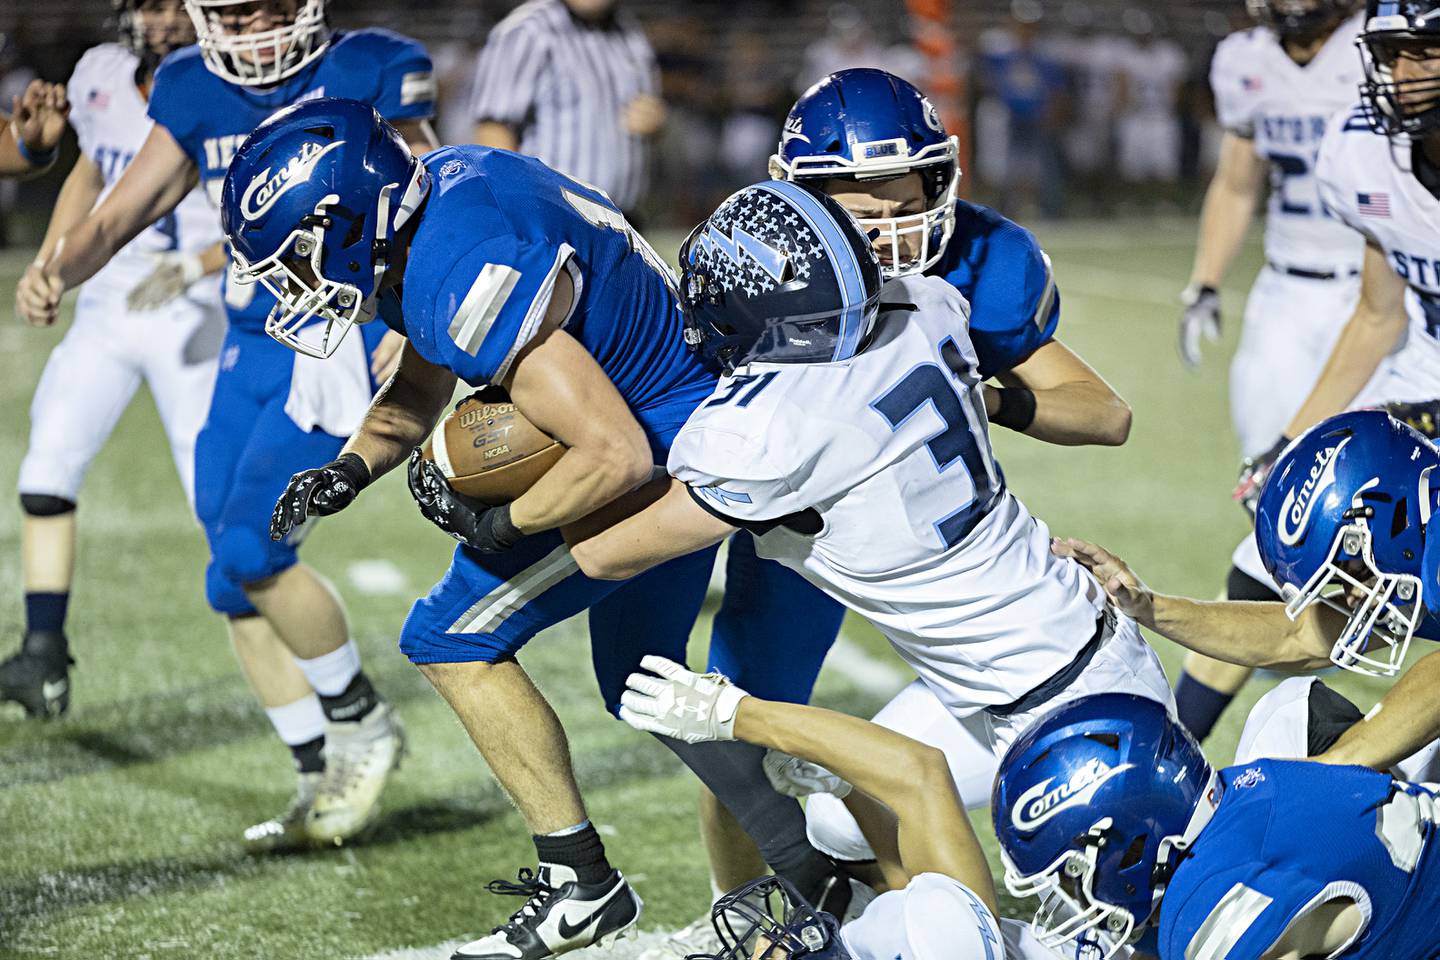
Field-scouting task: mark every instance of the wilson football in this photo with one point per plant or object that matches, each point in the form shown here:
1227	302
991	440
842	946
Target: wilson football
488	450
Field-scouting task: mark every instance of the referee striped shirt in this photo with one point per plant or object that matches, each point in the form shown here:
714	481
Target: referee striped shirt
563	83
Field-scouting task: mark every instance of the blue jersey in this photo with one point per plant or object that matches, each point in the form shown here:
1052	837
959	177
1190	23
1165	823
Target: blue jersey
1289	835
495	232
999	267
210	117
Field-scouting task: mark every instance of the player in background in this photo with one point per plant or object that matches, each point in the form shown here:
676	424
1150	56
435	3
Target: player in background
1275	86
92	375
272	413
502	271
30	135
1343	524
1107	810
876	144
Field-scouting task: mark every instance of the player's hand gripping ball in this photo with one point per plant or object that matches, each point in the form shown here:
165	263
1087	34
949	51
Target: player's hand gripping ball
480	527
319	493
488	451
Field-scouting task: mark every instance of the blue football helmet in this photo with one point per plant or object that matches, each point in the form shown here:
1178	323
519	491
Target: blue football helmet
311	205
767	919
780	274
866	124
1093	808
1341	521
1396	29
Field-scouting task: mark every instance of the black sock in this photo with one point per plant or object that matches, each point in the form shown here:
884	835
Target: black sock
45	612
581	851
353	703
308	756
1199	706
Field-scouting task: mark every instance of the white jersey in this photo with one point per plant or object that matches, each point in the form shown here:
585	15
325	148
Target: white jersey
110	121
1282	107
881	468
1367	181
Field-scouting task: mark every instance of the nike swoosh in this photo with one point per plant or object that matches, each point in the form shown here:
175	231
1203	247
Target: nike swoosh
567	931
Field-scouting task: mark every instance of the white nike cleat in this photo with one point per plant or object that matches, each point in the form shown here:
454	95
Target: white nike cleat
358	759
696	937
560	914
287	831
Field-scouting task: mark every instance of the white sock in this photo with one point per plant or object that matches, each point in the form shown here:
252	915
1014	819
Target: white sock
298	722
567	831
330	673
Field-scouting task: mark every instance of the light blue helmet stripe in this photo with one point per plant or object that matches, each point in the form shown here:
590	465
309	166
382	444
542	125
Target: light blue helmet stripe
842	261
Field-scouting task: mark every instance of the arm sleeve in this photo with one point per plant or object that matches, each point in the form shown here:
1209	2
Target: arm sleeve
1243	912
492	302
407	82
173	107
1232	86
1015	306
507	75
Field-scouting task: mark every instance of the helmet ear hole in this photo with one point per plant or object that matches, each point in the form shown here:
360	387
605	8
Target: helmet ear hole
1133	853
1400	521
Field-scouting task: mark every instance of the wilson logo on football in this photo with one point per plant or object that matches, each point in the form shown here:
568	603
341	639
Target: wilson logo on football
1040	803
267	188
1300	501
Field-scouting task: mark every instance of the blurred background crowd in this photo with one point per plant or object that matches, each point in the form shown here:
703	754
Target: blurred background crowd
1065	108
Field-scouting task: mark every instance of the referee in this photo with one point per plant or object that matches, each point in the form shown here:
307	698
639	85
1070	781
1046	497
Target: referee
574	83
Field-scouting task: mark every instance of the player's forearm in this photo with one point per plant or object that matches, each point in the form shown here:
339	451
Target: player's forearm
1226	213
13	163
1251	634
214	258
77	198
1367	338
1406	719
402	414
1073	414
86	247
584	480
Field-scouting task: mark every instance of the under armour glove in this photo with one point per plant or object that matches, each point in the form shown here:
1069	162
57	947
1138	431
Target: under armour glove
678	703
798	778
319	493
487	529
1423	416
1200	319
1253	473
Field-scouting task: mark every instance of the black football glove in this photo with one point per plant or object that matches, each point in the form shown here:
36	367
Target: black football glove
1200	319
1253	473
487	529
319	493
1423	416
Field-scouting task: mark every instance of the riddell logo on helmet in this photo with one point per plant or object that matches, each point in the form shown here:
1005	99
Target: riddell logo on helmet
1040	803
1300	501
267	188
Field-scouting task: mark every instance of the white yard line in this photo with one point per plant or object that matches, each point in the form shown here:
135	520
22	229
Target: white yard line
377	577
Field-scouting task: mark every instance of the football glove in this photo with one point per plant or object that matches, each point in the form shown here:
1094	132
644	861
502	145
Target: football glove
487	529
800	778
1423	416
680	704
319	493
1253	472
1200	319
172	275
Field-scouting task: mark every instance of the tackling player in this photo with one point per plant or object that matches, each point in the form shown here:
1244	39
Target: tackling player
1275	86
272	413
1107	810
92	375
30	135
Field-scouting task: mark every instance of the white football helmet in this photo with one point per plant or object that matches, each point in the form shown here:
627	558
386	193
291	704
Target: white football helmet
258	43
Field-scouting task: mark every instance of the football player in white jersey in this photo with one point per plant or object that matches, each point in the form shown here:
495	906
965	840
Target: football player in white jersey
30	134
849	434
152	315
1275	86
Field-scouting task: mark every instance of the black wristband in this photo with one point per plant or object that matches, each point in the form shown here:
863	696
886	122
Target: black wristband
499	528
1017	409
353	468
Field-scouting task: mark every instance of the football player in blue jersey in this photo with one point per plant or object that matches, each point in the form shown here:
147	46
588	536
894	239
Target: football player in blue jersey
501	271
1108	811
272	413
877	145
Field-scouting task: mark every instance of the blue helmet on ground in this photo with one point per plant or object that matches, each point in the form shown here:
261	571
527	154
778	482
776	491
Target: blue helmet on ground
768	919
778	273
311	205
1093	808
869	125
1341	521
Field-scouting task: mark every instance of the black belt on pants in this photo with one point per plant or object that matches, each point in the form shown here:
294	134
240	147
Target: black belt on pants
1310	274
1104	630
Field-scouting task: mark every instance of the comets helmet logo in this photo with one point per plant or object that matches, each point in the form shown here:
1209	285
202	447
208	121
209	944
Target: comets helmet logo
1300	501
267	188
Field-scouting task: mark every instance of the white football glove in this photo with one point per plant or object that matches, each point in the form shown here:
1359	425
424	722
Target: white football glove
679	703
172	276
800	778
1201	318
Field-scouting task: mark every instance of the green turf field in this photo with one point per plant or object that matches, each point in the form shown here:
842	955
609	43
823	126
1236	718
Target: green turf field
119	826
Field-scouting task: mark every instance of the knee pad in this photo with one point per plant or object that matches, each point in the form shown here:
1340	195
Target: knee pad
224	595
44	505
833	831
246	556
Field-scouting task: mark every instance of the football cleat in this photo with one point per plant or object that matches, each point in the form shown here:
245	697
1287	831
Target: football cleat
38	676
287	832
560	914
359	756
